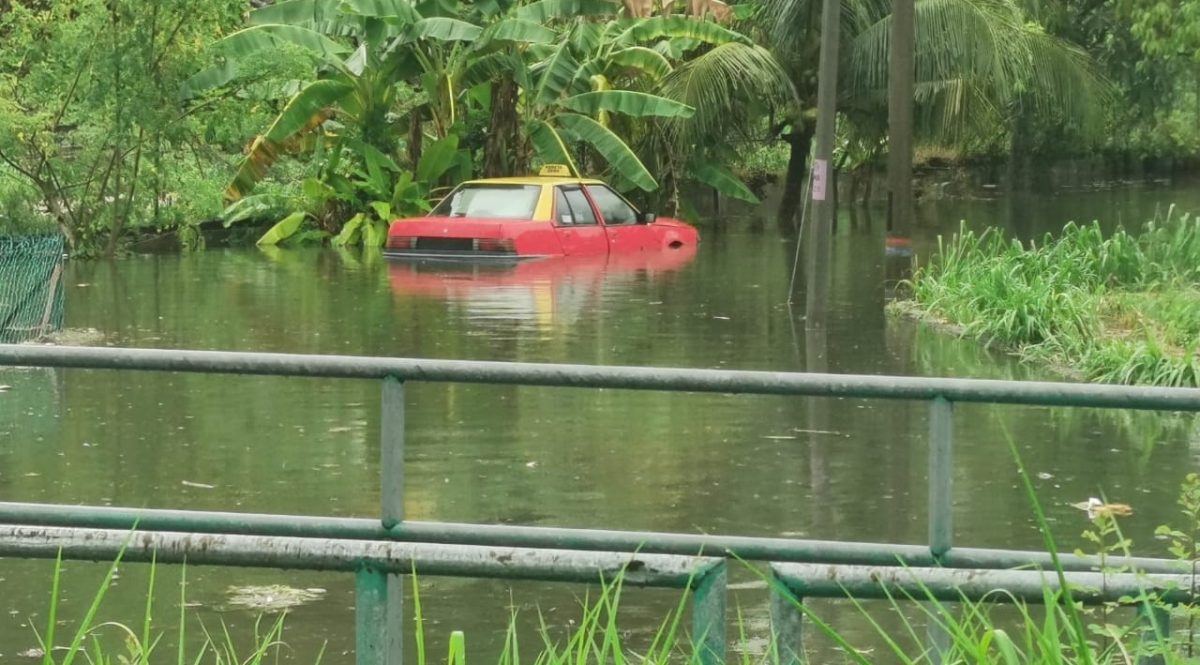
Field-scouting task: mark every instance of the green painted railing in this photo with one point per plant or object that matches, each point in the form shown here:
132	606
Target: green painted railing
381	551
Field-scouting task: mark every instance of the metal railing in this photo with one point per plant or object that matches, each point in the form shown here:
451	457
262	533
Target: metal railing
379	577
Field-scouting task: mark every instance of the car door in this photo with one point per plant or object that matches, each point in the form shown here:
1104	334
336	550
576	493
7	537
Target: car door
621	227
575	221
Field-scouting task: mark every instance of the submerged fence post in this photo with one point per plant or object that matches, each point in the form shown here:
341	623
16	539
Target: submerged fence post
1156	631
787	624
941	470
391	469
708	614
370	617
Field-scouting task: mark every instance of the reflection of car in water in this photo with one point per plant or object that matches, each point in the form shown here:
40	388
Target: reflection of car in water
546	289
552	214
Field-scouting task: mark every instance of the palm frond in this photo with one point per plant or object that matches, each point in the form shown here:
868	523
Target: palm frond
725	86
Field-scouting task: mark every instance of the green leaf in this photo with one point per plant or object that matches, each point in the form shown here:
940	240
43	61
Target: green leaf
648	61
208	78
585	36
305	13
436	159
374	233
486	68
389	9
554	75
304	105
627	102
248	42
715	175
674	27
545	10
1006	647
383	210
520	31
299	114
285	229
610	146
444	29
350	231
549	145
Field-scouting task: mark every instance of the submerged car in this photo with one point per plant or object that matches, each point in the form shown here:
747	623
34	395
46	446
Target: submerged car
551	214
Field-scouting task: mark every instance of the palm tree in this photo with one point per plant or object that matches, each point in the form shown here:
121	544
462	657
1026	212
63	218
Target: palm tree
979	64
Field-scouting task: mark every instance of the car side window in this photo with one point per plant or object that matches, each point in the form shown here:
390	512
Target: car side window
562	209
581	209
612	207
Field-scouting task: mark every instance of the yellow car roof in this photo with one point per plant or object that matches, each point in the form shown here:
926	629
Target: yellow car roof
534	180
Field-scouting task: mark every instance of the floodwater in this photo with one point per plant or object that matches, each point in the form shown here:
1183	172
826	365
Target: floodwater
817	468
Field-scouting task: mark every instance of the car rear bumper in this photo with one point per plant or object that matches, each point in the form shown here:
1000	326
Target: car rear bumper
458	256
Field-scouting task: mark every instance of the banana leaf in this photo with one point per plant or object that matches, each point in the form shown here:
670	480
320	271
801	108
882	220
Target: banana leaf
545	10
286	228
555	75
627	102
610	146
549	145
350	232
721	179
675	26
645	60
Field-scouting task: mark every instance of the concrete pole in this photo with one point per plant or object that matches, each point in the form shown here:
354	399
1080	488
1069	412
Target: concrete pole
817	297
900	118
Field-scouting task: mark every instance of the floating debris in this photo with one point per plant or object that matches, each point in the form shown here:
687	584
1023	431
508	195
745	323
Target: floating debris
1095	507
272	598
780	437
31	653
1045	476
4	389
203	486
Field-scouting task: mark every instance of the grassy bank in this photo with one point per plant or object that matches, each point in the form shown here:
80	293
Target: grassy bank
1121	308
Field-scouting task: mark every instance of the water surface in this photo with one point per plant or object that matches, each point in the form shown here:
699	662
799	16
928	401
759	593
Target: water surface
820	468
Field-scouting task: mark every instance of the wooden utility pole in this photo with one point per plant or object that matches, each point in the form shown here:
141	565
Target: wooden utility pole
900	119
817	273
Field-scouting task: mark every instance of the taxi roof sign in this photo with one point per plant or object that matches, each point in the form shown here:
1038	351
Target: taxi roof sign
555	170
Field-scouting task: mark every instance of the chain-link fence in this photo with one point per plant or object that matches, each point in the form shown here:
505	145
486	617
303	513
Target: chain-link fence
31	288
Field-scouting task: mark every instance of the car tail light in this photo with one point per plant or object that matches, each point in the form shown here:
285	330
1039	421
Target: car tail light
499	245
401	242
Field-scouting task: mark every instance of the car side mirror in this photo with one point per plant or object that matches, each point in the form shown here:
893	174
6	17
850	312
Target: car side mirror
646	218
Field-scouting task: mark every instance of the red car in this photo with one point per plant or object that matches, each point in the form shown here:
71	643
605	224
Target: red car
551	214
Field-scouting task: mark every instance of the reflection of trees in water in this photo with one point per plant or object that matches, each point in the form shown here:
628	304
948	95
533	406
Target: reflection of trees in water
939	354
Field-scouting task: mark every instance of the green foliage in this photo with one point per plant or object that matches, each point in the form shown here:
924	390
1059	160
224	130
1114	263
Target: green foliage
1119	309
91	124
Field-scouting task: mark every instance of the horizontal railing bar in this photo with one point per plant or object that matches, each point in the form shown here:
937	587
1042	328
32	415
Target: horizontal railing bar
594	376
826	581
746	547
435	559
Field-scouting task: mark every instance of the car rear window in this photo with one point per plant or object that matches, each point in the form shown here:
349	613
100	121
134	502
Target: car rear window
491	201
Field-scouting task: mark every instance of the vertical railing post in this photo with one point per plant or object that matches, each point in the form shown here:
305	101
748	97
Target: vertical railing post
708	614
370	617
1156	629
787	624
391	469
941	471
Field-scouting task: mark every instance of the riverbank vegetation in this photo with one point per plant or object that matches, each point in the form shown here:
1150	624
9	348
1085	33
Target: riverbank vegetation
1121	307
127	119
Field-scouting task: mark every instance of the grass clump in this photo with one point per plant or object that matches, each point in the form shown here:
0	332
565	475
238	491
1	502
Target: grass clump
1117	308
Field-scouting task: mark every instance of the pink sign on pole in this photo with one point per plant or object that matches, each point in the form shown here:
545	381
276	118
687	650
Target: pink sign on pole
820	176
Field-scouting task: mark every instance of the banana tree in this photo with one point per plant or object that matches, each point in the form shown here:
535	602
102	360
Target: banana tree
600	87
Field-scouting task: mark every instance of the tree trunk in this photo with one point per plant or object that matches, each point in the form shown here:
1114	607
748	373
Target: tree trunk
502	154
414	137
900	119
793	181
